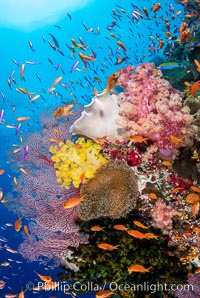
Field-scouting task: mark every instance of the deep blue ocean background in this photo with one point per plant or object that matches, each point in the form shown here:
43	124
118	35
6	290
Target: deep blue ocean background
15	45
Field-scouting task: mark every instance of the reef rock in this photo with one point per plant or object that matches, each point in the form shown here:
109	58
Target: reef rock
99	118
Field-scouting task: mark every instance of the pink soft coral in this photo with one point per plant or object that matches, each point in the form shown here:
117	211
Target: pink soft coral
162	216
152	108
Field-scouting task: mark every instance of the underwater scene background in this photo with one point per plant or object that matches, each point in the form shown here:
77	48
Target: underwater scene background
99	146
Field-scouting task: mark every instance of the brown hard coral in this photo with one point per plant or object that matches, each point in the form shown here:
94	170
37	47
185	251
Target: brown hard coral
111	193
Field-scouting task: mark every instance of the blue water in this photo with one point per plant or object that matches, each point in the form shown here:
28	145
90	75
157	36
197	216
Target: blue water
134	34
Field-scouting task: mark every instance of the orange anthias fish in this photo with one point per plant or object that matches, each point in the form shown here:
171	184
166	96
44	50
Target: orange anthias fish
45	278
22	119
65	111
56	81
21	294
26	231
13	251
139	224
136	234
166	163
192	89
72	202
197	64
25	91
138	139
122	46
156	7
195	188
138	268
2	171
120	227
176	140
96	228
107	246
150	236
112	82
195	209
153	196
18	224
104	294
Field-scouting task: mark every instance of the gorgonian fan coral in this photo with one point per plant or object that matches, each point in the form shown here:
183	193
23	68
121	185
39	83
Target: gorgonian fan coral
52	229
76	161
152	108
112	192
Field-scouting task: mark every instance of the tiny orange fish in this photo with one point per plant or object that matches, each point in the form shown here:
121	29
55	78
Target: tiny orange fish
95	91
161	44
21	294
24	171
166	163
22	68
56	81
2	171
177	189
197	63
45	278
26	231
197	271
176	140
138	268
122	46
136	234
138	139
153	196
63	111
195	188
15	181
55	140
96	228
104	293
13	251
150	236
120	227
22	119
112	82
156	7
18	224
139	224
107	246
25	91
82	177
195	209
72	202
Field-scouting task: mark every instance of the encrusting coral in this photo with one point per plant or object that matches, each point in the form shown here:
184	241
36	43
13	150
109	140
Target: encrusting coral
76	161
112	192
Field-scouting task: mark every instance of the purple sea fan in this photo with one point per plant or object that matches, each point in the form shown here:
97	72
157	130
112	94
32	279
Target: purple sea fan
162	216
190	290
52	229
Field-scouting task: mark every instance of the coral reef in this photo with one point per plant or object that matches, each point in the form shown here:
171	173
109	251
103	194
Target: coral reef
107	267
99	118
74	162
112	192
152	108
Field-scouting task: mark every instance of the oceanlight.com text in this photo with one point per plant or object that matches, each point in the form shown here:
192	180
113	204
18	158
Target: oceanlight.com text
113	286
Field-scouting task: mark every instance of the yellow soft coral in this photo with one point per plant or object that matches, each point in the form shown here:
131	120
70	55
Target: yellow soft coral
76	161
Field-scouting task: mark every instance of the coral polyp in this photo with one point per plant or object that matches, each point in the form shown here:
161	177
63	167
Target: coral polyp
75	162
